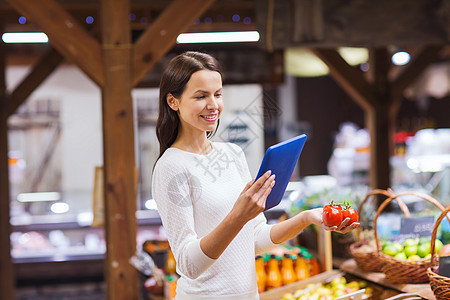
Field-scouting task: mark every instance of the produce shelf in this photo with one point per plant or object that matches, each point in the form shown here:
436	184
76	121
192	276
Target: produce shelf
423	290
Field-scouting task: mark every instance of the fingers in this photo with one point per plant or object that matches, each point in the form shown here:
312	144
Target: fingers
261	180
249	184
349	228
343	223
271	183
343	227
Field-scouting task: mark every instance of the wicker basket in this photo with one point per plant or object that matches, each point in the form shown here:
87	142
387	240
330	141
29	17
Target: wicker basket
367	260
440	285
404	271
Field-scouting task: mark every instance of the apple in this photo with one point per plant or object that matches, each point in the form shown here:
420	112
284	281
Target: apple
445	250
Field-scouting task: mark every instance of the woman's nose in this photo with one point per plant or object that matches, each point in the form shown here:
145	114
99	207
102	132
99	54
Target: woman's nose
212	103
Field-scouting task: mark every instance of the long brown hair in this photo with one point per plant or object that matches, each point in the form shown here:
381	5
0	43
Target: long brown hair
173	81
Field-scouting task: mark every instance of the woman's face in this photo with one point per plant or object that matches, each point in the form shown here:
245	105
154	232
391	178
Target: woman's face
200	105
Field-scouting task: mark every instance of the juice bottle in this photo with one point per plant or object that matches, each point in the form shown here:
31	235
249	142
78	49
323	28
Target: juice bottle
171	265
170	287
273	276
301	268
314	266
287	270
261	275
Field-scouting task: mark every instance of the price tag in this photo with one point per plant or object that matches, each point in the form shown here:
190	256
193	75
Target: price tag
444	266
420	226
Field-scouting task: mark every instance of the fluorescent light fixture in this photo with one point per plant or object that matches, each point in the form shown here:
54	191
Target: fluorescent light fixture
218	37
24	37
38	197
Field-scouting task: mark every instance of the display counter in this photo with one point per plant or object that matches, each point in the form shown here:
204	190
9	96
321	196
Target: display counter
378	292
381	288
423	289
65	248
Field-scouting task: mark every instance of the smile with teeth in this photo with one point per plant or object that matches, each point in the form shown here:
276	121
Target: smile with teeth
209	117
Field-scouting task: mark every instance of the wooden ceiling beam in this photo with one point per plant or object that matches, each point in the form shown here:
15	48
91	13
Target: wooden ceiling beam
161	35
411	73
349	78
158	5
40	72
66	34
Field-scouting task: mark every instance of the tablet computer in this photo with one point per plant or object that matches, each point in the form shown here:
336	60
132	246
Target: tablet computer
281	159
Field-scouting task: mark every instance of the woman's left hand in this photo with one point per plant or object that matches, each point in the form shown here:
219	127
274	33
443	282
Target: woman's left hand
315	217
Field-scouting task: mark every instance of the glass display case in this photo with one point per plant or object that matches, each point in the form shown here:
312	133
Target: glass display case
66	248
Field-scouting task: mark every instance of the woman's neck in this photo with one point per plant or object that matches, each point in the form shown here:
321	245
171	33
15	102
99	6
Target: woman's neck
199	145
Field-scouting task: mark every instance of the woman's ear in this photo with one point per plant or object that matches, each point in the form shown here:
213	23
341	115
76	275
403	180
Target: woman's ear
172	102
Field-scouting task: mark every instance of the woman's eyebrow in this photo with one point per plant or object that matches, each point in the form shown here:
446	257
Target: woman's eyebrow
201	91
206	92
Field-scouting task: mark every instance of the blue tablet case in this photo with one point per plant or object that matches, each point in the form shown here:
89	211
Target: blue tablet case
281	159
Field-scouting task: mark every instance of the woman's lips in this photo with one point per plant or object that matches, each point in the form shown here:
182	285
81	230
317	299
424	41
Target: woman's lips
209	118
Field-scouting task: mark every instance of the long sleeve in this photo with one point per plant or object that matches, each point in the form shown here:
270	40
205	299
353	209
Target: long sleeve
172	190
263	242
194	193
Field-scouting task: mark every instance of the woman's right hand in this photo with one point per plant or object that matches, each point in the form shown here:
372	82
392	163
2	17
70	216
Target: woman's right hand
252	200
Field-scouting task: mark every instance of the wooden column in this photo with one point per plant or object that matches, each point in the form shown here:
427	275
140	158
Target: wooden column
118	152
378	123
7	275
380	99
374	99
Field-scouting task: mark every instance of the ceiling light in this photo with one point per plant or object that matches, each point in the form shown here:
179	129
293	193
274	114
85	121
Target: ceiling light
38	197
401	58
302	62
24	37
59	207
218	37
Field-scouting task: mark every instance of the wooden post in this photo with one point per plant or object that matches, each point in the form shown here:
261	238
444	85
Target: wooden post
380	100
378	123
325	250
7	275
118	152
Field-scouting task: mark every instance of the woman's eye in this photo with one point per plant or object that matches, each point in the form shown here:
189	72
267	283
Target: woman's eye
200	97
218	95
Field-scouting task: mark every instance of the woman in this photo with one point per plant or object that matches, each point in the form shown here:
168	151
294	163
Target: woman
210	207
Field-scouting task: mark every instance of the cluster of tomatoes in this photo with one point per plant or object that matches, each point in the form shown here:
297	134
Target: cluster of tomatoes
333	214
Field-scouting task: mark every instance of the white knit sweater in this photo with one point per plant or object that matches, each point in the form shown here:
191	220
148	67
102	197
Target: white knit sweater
193	194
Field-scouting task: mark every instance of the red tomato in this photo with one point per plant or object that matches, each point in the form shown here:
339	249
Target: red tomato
332	215
350	213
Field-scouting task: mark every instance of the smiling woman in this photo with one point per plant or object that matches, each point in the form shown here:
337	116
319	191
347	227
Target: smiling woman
210	206
174	82
198	108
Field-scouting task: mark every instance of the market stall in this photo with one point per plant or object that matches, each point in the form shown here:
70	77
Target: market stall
123	56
